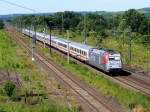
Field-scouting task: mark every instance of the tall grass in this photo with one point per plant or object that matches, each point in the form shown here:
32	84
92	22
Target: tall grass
13	58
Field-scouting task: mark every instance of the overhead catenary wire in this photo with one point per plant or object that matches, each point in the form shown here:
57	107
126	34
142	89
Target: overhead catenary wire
18	5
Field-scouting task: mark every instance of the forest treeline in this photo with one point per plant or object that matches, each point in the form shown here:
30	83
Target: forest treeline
91	23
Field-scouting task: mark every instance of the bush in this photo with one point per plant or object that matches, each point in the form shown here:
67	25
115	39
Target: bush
1	110
1	24
9	88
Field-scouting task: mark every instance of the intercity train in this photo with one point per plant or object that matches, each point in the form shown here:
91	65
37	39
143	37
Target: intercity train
104	59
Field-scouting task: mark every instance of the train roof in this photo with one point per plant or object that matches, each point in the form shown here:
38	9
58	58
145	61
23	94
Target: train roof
99	50
83	46
73	44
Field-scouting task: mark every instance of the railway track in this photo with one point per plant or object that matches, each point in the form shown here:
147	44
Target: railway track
135	83
96	102
131	80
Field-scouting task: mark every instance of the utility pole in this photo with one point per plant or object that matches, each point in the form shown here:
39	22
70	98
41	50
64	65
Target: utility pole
50	27
44	36
148	25
44	25
62	24
33	42
68	46
124	20
129	50
19	24
85	38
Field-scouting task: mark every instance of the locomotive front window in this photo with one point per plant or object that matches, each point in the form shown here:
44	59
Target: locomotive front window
111	59
114	58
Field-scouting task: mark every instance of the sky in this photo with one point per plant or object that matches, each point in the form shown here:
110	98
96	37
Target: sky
71	5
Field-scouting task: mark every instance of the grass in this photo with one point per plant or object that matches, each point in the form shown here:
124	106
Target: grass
13	58
124	96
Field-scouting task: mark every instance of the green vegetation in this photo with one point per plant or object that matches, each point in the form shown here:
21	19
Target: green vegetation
12	99
9	88
1	24
124	96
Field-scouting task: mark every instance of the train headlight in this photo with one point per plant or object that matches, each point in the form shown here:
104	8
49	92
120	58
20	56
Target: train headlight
117	58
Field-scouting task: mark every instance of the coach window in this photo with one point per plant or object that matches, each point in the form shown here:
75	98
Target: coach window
82	52
85	53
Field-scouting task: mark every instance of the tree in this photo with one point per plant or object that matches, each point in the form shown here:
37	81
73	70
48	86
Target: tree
134	19
100	37
94	22
1	24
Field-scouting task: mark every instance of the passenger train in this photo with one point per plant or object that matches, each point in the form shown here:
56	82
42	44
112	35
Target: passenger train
104	59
